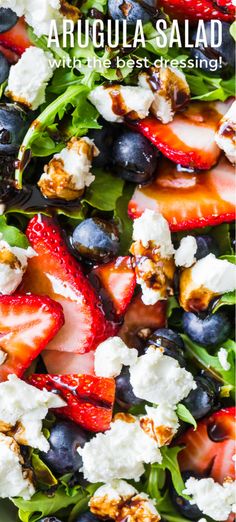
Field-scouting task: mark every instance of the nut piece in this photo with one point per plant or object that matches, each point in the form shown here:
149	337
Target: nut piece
68	173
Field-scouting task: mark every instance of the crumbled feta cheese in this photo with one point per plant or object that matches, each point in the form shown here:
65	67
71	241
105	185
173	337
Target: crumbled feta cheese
150	296
13	480
160	423
170	88
120	501
185	254
13	264
111	355
223	356
159	379
117	101
119	453
38	13
225	136
26	406
213	499
2	209
152	226
68	173
29	77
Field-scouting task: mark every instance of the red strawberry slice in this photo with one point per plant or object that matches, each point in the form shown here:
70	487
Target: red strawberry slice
64	362
56	273
205	9
189	139
10	55
117	281
89	399
188	200
27	324
209	449
16	38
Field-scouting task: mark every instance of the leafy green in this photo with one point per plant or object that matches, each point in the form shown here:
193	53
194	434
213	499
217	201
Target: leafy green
168	511
43	474
2	88
221	234
156	478
233	30
185	415
104	192
228	299
125	224
209	88
231	258
172	305
100	5
12	235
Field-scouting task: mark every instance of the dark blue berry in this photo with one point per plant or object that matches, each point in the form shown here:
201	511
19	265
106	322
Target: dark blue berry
4	68
7	19
170	341
226	50
49	519
129	10
14	122
202	400
134	157
87	517
65	438
211	330
96	240
191	512
124	392
103	139
206	245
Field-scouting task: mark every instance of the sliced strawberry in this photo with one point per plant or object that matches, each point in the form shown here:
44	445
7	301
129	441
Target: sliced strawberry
27	324
56	273
89	399
16	38
189	139
141	318
209	449
188	200
117	281
10	55
64	362
202	9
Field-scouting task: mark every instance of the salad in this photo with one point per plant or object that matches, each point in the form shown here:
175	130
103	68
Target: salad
117	262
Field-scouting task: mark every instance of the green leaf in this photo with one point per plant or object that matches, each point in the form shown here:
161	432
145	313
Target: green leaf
231	258
168	511
12	235
170	463
221	234
104	192
172	305
2	88
228	299
185	415
232	30
43	474
125	224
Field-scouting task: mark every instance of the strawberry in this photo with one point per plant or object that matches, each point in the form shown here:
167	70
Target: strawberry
16	38
89	399
10	55
116	280
190	138
56	273
188	200
27	324
65	362
223	10
209	449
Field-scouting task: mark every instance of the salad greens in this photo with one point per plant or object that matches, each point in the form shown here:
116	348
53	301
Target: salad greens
12	235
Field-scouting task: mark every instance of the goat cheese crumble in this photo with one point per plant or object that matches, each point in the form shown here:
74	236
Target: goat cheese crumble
111	355
160	423
13	264
14	482
185	254
151	226
225	136
223	358
117	101
37	13
214	500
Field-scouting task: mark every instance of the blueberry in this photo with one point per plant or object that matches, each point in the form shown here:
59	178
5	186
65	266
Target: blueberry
124	392
208	331
14	122
49	519
187	510
202	400
206	245
226	50
87	517
4	68
170	341
134	157
129	10
96	240
65	438
103	139
7	190
7	19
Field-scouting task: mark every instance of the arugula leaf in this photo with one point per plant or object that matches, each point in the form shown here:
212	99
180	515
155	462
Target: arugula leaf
104	192
232	30
43	474
185	415
168	511
2	88
172	305
125	224
12	235
170	463
231	258
228	299
221	234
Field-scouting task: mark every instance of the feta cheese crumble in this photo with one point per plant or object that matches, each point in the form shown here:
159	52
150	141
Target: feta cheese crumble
117	101
38	13
121	501
68	173
29	77
111	355
185	254
14	482
153	227
13	264
119	453
223	356
26	406
226	135
214	500
160	423
159	379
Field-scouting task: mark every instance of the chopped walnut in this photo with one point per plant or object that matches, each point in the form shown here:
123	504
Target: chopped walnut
69	11
136	508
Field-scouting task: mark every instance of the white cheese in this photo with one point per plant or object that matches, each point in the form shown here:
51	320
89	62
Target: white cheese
13	264
185	254
26	405
223	356
3	356
214	500
225	136
159	379
152	226
13	483
217	275
38	13
128	99
119	453
111	355
150	296
29	77
116	490
160	423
